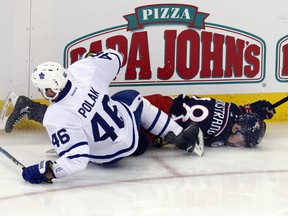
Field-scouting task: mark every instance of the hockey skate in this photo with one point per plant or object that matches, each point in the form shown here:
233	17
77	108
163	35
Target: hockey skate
190	139
25	107
20	111
9	102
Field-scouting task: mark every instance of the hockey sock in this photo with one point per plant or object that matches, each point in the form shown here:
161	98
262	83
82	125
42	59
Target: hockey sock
156	121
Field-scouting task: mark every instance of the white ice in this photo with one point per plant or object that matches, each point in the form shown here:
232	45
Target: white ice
167	181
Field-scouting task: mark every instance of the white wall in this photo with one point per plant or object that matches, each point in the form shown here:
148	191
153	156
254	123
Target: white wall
35	31
14	43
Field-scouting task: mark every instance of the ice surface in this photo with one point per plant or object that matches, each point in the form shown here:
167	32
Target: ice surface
167	181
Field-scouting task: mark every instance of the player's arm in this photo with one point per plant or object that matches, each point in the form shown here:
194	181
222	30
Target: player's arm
46	170
107	63
72	147
261	108
91	54
73	161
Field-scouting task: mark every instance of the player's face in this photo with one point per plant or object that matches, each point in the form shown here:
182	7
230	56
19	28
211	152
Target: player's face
236	139
48	93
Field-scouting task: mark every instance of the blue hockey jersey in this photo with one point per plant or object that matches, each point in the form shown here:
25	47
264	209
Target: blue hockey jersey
214	117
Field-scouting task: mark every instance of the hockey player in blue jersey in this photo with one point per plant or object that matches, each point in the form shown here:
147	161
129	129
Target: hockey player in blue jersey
86	125
222	123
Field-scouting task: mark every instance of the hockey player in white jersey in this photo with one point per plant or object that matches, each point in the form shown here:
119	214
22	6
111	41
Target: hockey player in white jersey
85	124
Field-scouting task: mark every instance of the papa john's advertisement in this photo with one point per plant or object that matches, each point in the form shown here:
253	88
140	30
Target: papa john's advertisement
172	44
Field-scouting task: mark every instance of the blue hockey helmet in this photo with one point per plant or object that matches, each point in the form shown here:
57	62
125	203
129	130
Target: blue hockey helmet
253	128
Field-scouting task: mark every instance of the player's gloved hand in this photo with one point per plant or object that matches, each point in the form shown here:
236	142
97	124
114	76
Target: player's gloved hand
38	173
261	108
190	139
177	108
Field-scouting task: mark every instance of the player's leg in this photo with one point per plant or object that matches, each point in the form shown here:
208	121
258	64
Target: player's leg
25	107
160	124
132	99
191	135
162	102
156	121
142	143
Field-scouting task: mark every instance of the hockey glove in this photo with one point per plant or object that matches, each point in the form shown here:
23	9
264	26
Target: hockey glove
261	108
190	139
177	108
36	174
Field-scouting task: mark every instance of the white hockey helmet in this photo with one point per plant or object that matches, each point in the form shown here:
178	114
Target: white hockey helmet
49	75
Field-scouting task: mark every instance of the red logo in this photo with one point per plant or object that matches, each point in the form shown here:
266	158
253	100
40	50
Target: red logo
282	59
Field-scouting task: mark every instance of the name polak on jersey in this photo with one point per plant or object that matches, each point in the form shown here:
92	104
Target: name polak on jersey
87	105
218	118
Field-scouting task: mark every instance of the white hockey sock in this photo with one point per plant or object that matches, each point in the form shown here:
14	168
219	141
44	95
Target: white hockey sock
157	122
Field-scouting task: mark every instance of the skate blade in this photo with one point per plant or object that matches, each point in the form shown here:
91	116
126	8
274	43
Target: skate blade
199	147
9	101
51	151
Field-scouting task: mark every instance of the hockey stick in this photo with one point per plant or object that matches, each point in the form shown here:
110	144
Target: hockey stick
13	159
51	151
10	100
278	103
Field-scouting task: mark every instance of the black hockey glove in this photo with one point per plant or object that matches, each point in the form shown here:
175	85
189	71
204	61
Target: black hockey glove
261	108
177	108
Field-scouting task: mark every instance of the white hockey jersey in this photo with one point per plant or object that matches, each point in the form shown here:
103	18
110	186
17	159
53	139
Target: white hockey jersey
84	124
